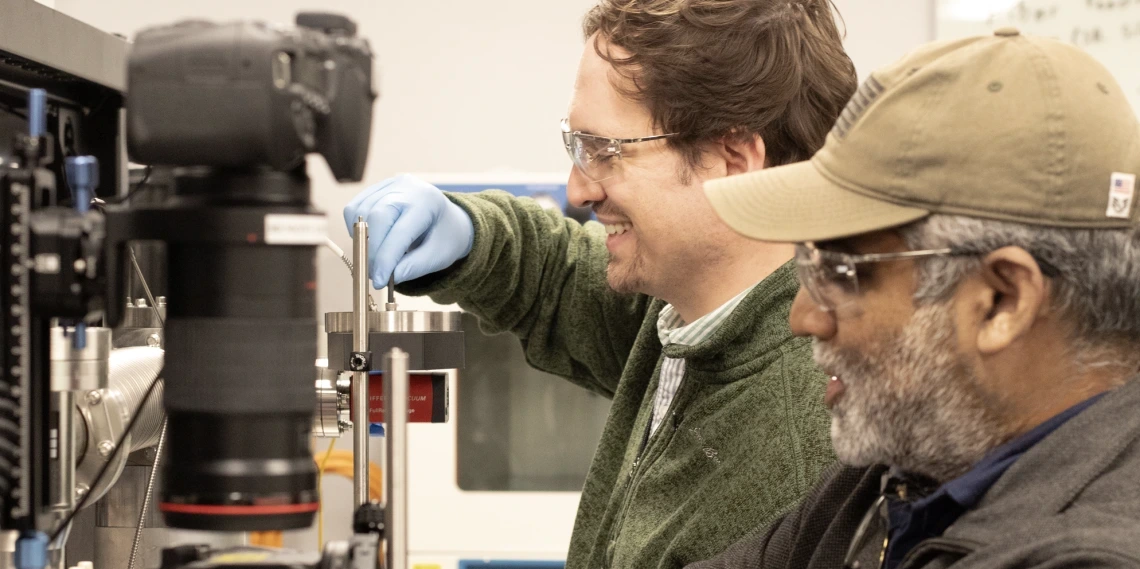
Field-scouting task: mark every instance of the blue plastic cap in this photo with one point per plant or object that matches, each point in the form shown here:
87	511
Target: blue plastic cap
31	550
83	177
375	429
37	112
79	338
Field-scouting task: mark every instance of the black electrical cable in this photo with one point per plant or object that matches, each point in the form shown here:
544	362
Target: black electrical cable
107	465
138	187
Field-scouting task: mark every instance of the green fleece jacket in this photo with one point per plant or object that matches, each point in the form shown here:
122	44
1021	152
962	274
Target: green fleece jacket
747	433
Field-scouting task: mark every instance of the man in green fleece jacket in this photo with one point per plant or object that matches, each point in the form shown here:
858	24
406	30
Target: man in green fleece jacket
717	424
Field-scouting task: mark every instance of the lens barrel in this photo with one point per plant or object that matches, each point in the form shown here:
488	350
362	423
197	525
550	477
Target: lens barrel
240	346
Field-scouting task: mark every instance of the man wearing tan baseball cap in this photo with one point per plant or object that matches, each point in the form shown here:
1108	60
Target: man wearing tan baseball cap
967	246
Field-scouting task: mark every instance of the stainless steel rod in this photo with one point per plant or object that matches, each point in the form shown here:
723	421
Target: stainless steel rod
396	467
146	289
65	449
361	403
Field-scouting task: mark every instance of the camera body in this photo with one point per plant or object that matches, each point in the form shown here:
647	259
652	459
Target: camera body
247	94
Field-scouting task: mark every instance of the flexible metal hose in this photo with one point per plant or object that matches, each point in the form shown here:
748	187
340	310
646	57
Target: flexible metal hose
132	370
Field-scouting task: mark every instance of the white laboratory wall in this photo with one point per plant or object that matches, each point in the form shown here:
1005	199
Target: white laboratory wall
881	31
465	87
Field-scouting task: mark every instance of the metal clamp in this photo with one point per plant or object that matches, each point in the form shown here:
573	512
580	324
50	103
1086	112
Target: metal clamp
80	369
331	416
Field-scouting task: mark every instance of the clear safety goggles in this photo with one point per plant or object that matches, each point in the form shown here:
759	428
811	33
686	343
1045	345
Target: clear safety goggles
598	156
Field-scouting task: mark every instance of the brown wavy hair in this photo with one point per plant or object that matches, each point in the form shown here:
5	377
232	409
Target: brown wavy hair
707	69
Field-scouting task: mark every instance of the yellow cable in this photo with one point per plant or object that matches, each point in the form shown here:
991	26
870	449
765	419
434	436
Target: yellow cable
340	462
266	538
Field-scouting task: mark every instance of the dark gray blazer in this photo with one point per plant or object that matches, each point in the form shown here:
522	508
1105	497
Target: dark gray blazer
1071	501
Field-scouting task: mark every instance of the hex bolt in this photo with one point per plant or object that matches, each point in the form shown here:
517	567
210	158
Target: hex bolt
94	398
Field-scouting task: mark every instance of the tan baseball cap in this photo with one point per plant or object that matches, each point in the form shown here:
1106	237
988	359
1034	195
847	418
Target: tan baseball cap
1008	126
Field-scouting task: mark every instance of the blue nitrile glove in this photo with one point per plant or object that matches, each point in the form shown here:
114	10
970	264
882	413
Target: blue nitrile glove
412	228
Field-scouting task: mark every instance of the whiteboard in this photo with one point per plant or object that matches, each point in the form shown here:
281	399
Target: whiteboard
1109	30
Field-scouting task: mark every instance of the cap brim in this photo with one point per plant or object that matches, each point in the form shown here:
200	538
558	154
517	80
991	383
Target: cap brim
796	203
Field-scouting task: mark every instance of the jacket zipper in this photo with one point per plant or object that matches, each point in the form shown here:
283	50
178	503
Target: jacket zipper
647	442
901	492
641	448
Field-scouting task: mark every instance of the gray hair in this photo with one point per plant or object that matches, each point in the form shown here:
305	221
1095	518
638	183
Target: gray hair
1097	288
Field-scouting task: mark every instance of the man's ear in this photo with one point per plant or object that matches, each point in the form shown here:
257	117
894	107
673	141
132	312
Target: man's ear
1012	294
741	153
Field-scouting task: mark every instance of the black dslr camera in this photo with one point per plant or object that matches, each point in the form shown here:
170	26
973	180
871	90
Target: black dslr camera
249	93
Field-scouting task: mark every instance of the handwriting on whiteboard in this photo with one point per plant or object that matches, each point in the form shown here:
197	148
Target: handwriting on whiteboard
1108	29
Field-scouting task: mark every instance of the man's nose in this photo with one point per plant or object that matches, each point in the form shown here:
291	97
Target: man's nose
809	319
582	191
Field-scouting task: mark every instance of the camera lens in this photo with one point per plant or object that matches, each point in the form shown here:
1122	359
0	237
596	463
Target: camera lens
241	341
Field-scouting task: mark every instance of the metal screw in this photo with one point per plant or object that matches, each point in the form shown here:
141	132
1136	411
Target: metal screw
94	398
357	362
106	448
141	303
81	489
153	340
80	265
160	300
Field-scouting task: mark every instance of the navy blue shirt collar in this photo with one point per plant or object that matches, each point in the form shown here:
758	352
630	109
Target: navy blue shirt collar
911	522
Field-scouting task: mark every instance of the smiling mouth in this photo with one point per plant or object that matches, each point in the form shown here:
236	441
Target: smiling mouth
618	228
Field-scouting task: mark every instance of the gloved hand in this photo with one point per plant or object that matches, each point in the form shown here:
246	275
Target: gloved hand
413	229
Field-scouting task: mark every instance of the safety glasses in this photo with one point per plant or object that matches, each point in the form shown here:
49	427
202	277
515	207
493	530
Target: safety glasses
598	156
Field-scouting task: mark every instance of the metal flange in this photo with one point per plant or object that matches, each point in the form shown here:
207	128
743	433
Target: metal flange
397	321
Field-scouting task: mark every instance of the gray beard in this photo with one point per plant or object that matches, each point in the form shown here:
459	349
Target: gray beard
911	401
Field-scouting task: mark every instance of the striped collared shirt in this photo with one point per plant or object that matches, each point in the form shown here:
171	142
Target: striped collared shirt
671	329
